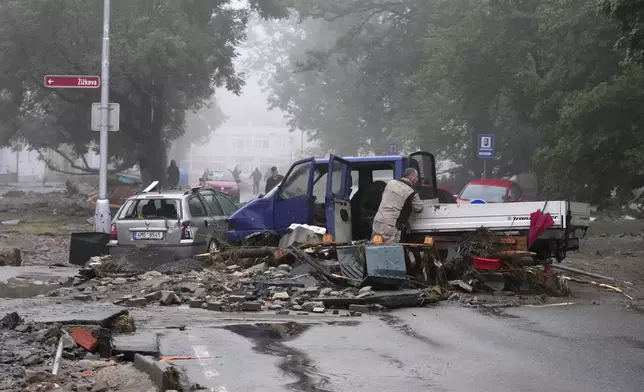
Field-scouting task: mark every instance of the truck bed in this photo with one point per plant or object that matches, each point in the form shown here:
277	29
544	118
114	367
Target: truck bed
497	216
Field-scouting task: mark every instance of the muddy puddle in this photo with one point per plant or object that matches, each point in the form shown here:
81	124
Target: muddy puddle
269	338
26	288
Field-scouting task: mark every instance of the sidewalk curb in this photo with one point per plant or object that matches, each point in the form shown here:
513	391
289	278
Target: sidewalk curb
155	369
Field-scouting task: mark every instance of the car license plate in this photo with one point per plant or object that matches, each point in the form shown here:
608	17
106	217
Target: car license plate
148	235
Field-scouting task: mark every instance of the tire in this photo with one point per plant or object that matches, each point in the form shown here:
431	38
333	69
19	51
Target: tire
213	246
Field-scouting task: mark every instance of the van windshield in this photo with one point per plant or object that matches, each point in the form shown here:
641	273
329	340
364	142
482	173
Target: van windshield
157	208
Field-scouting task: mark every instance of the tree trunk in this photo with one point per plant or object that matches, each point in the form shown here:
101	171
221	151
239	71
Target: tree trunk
152	149
152	162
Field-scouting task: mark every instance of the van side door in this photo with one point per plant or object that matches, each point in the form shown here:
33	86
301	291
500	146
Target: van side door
425	164
337	203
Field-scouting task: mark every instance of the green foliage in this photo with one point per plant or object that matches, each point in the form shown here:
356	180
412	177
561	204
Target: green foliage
544	77
598	143
343	77
167	57
630	16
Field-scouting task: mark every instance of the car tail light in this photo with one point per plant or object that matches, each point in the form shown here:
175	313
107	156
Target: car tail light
113	233
186	231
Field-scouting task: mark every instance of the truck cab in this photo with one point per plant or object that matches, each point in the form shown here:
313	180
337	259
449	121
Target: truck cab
340	194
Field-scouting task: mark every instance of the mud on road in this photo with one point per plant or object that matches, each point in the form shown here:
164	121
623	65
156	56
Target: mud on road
614	247
40	224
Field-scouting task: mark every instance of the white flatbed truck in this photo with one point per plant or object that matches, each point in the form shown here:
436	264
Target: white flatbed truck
447	222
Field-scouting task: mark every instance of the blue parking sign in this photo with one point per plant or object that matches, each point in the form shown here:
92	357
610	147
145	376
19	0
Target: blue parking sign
486	146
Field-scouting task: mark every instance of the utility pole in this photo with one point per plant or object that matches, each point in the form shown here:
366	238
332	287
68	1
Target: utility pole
102	219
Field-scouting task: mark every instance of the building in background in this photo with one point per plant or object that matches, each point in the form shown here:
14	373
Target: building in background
248	147
25	166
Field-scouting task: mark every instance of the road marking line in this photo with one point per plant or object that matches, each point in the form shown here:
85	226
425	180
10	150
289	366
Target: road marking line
207	364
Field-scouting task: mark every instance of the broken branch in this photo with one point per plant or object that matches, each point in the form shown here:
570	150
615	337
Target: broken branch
603	285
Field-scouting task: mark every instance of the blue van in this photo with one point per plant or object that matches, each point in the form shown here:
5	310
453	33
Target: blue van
344	202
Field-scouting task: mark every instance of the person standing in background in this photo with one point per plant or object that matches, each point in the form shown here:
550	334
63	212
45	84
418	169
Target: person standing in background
256	176
273	180
173	174
236	172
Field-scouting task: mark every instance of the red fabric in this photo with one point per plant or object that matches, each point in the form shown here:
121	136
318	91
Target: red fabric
539	223
482	263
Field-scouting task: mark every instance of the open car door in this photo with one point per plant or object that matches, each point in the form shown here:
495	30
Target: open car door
294	199
337	203
425	164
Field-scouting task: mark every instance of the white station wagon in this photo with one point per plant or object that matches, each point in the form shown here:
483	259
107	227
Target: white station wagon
186	222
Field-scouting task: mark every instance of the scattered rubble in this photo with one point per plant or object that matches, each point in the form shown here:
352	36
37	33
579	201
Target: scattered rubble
309	278
56	356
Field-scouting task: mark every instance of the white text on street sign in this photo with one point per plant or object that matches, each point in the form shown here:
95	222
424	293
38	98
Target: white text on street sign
72	81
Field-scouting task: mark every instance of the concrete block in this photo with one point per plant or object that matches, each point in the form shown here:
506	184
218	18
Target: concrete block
155	369
156	296
169	298
236	298
195	303
359	308
251	306
145	343
137	302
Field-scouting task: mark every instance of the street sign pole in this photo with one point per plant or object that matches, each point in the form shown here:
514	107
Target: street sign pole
102	219
485	151
393	148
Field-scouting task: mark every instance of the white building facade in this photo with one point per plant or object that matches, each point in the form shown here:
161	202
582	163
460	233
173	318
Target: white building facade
25	166
246	147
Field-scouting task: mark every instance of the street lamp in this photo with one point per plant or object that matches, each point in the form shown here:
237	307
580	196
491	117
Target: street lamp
102	219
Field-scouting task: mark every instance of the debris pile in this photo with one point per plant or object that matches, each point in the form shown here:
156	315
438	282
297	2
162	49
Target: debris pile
320	277
313	278
43	357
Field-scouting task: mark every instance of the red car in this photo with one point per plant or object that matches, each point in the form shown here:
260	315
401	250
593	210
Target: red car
222	181
492	191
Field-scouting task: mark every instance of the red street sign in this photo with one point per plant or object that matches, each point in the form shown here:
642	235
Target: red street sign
72	81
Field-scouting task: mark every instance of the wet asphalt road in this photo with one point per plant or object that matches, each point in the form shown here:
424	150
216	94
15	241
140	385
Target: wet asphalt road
568	348
448	348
